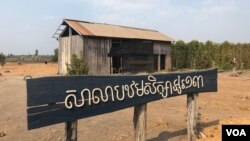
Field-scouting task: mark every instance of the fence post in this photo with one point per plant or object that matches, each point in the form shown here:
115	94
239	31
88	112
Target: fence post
140	117
192	116
71	131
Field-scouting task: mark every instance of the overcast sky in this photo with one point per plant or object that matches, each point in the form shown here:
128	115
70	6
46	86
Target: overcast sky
27	25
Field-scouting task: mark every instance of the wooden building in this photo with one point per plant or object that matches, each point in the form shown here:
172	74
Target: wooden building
110	49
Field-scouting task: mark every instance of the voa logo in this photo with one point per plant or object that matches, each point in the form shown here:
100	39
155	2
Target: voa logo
236	132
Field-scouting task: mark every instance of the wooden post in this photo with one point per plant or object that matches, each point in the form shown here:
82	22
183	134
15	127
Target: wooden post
71	131
71	126
69	47
192	116
140	117
159	62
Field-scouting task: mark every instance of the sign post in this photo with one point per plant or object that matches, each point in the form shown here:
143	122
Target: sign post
140	125
71	126
192	116
71	131
88	96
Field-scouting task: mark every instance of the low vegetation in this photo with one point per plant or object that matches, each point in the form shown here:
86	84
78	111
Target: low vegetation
77	66
29	58
36	58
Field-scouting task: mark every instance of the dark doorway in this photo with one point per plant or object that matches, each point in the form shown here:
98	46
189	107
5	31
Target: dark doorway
163	63
116	64
159	62
155	63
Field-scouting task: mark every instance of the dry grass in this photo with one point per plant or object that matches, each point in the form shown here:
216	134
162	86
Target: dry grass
14	69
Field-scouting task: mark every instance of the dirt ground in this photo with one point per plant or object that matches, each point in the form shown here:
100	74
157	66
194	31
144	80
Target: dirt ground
39	69
165	118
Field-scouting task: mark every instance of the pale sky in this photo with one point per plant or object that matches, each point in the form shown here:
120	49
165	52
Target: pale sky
27	25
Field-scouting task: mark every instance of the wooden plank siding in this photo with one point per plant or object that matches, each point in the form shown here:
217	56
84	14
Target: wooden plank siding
132	47
77	46
67	47
64	56
93	51
163	48
95	54
138	63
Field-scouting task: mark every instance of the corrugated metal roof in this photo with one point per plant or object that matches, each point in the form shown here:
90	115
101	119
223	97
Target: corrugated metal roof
115	31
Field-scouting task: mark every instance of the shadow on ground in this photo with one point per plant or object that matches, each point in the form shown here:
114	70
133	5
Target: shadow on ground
166	135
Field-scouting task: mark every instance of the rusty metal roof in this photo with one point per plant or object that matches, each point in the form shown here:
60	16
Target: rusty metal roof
115	31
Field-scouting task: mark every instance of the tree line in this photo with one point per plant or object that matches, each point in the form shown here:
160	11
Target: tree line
202	55
196	55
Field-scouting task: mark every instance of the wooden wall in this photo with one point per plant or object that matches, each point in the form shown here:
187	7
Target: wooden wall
143	57
132	47
137	55
163	48
95	54
68	46
138	63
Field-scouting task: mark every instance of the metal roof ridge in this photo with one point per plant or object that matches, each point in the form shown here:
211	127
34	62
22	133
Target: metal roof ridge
144	29
65	19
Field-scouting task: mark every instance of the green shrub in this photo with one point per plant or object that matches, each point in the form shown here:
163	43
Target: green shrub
77	66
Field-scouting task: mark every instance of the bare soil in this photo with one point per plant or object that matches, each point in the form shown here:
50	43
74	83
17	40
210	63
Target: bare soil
39	69
165	118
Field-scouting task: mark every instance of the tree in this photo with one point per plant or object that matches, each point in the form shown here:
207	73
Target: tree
192	53
36	52
199	55
77	66
226	55
2	59
209	54
55	56
180	54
